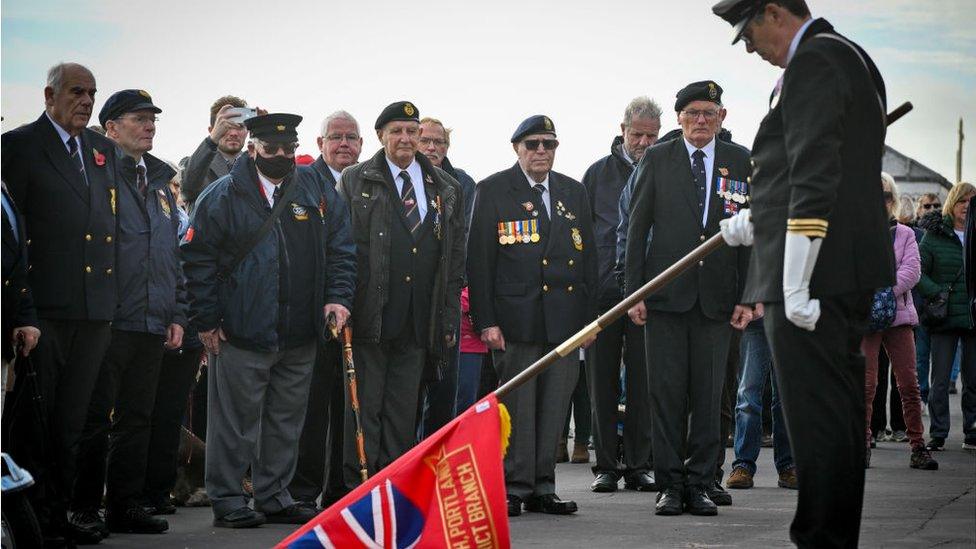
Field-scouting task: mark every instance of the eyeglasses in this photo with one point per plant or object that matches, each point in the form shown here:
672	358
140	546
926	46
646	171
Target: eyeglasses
428	140
708	114
888	195
339	137
273	148
931	206
143	119
547	144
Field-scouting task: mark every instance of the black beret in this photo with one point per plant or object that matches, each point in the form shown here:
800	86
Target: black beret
738	13
276	127
401	110
538	123
706	90
125	101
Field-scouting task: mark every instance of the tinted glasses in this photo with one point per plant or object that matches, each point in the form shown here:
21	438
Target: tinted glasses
931	206
547	144
273	148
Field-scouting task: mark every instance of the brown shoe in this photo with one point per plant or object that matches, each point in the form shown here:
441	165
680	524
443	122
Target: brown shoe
787	479
581	454
740	478
562	454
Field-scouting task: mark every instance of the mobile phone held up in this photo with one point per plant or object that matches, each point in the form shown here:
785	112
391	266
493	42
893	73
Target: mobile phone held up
240	114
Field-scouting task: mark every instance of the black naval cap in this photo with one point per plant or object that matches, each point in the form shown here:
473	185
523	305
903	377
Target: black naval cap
738	13
278	127
538	123
125	101
706	90
402	111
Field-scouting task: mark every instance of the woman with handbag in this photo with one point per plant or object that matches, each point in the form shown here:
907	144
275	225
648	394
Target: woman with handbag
946	313
892	317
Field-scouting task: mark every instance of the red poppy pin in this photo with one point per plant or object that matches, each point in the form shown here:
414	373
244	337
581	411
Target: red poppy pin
99	158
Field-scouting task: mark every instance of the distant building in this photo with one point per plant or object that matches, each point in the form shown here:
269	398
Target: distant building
913	178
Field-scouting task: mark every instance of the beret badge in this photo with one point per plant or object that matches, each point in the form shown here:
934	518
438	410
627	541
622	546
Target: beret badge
712	92
408	109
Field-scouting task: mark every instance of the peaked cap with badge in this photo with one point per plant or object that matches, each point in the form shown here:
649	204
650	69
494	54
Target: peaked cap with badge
276	127
738	13
126	101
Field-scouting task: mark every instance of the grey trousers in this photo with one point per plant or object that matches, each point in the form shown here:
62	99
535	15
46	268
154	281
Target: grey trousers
687	355
538	410
388	379
255	409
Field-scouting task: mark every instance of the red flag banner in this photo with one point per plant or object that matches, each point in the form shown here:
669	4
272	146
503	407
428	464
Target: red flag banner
448	491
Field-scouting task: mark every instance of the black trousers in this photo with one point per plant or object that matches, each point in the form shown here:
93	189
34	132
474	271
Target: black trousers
623	339
687	355
66	360
320	446
730	391
440	397
820	375
114	448
176	377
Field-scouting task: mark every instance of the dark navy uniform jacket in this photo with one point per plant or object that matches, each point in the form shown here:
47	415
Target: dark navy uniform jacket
246	304
70	222
536	292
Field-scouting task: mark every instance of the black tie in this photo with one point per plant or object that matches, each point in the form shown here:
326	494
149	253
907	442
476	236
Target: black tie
276	195
541	189
141	180
76	158
698	170
409	197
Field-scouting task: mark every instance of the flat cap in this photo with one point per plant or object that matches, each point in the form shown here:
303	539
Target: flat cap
706	90
125	101
276	127
399	111
538	123
738	13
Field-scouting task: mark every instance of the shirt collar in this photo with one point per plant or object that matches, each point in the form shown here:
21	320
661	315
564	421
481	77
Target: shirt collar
796	39
64	135
532	182
337	175
395	170
268	186
708	149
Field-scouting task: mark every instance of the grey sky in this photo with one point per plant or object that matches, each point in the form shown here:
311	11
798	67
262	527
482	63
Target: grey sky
479	67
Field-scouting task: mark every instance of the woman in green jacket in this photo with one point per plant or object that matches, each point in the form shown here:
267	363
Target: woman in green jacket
941	252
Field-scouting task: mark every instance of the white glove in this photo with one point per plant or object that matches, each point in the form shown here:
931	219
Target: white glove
799	258
737	230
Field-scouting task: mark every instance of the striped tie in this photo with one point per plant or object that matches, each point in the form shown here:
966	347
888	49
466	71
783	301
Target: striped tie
76	158
141	180
409	197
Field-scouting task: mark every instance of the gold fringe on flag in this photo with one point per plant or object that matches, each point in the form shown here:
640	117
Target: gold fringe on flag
506	426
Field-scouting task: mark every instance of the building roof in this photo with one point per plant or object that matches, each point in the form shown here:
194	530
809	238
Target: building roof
908	170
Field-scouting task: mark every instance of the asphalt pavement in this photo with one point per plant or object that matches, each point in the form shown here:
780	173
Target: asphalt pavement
903	507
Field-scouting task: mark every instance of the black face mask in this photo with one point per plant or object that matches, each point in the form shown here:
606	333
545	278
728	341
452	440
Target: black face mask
276	167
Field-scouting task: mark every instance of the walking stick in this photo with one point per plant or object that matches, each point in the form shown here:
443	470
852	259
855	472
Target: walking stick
620	309
345	339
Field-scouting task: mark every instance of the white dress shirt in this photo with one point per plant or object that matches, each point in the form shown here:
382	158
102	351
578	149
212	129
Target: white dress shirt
335	175
65	136
269	189
416	179
709	161
546	195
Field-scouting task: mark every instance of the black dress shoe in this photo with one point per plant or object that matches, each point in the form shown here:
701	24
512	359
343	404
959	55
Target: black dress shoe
134	520
642	482
718	495
163	506
514	506
245	517
296	513
698	503
550	504
670	502
87	527
604	482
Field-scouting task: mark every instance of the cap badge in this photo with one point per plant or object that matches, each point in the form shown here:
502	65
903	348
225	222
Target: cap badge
547	123
712	92
280	127
408	109
145	94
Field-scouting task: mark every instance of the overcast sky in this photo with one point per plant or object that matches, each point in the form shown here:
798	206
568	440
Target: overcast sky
480	67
